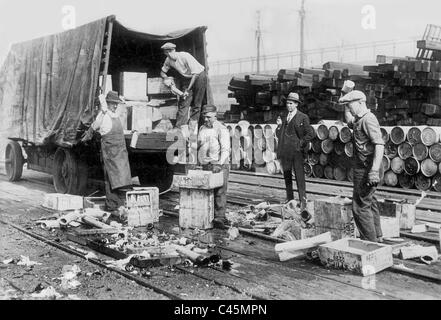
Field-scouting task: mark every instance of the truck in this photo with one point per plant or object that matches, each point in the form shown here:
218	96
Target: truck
49	90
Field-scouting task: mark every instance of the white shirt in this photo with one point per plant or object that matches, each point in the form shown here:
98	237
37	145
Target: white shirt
291	115
103	122
185	64
214	144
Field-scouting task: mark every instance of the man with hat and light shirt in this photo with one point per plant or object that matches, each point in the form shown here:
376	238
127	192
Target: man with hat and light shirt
194	85
115	158
214	149
294	132
368	169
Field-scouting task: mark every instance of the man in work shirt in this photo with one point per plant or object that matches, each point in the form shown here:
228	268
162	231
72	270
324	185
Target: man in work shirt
213	154
294	132
194	85
368	169
117	173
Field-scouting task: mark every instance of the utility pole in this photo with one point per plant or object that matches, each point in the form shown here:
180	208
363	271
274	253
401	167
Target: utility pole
302	14
259	39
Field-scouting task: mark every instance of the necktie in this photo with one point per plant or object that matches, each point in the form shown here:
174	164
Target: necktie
290	117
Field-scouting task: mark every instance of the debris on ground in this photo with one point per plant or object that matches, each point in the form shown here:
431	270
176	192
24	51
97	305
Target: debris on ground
69	277
233	233
23	261
49	293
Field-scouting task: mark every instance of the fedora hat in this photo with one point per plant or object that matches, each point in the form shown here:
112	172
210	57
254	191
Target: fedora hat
113	96
293	97
209	108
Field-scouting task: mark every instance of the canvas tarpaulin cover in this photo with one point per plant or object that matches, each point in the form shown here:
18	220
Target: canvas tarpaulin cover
47	85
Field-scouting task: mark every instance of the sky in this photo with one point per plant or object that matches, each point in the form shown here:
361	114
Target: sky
231	23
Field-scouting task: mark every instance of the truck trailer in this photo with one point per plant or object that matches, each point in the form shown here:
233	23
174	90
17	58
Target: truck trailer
49	90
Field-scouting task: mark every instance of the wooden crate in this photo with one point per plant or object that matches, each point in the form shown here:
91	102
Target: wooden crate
143	206
196	208
198	179
334	215
363	257
62	202
390	227
405	212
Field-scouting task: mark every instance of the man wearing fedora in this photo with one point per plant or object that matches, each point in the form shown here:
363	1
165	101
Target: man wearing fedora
294	132
115	158
193	85
214	149
368	169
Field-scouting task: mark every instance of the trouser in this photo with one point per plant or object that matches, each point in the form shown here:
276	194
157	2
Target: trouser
365	206
114	198
296	163
220	194
195	99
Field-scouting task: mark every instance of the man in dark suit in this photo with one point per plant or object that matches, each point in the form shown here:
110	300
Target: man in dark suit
294	132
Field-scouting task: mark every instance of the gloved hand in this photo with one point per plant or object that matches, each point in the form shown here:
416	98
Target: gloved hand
373	178
88	135
217	168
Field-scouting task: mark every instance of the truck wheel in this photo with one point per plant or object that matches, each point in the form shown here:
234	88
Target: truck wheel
14	161
66	172
161	177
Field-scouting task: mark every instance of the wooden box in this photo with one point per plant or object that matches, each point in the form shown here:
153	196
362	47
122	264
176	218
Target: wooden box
143	206
62	202
363	257
196	208
390	227
197	179
334	215
405	212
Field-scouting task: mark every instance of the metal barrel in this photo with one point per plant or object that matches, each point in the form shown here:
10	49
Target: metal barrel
390	178
385	133
308	169
313	158
405	150
329	172
436	182
429	168
414	135
323	159
333	133
322	131
430	135
327	146
390	150
386	163
345	134
349	149
397	165
339	173
317	171
405	181
420	151
435	152
339	148
317	145
422	182
398	134
411	166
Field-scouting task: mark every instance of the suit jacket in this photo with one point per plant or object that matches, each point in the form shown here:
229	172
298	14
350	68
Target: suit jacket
294	136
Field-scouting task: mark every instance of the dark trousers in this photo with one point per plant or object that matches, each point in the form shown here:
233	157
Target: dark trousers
365	206
220	194
194	99
296	163
114	198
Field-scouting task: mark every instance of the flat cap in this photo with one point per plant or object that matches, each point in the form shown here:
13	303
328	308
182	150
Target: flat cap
209	108
168	46
352	96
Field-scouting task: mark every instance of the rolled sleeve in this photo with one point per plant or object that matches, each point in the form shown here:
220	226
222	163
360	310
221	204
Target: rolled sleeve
372	129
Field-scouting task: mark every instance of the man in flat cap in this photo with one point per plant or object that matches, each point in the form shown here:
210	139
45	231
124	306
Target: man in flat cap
368	169
214	149
294	132
194	86
117	175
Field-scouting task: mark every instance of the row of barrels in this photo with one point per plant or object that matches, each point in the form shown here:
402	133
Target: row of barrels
412	157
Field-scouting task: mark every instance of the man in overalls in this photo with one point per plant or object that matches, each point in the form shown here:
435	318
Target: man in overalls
115	158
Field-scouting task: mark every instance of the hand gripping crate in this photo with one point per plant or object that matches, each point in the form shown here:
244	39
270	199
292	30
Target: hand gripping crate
143	206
